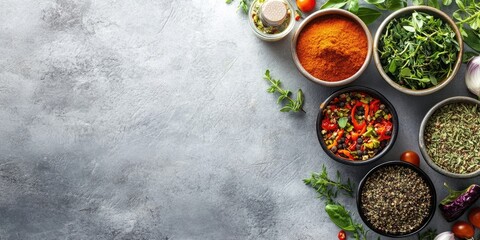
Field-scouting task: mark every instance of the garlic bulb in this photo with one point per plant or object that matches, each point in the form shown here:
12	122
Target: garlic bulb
445	236
472	77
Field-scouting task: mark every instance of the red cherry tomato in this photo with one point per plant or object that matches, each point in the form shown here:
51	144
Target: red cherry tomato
411	157
474	217
306	5
462	229
342	235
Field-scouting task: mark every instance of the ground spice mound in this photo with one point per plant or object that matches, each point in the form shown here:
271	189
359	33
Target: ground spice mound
332	47
396	200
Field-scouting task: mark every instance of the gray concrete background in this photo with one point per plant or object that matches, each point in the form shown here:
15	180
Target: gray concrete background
150	120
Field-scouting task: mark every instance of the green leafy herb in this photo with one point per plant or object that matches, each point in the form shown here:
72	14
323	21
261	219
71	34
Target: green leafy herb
418	51
367	15
243	4
468	21
328	189
342	122
391	5
432	3
467	56
430	234
340	216
291	105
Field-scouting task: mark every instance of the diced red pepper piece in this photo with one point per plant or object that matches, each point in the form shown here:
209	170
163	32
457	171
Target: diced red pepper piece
327	125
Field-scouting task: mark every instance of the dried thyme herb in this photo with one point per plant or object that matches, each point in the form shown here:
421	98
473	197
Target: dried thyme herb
452	136
396	200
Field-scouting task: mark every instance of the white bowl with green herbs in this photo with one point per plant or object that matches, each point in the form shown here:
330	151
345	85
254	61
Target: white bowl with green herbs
449	137
418	50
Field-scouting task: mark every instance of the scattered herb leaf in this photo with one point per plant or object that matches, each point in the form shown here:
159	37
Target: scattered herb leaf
291	105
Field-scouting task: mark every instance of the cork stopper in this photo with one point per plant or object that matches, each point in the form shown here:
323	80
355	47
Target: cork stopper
273	12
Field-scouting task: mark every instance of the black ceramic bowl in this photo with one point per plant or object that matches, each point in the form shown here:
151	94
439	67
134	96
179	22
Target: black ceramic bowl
422	174
372	93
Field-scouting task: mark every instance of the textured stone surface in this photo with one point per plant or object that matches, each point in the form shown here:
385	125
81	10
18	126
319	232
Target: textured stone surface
149	120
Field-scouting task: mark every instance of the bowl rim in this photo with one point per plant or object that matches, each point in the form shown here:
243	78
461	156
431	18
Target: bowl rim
435	12
276	36
421	135
422	174
373	93
325	12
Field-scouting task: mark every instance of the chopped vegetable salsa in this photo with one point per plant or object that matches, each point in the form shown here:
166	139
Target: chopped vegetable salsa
356	126
396	200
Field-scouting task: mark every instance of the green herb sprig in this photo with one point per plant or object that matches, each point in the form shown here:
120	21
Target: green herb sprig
291	105
243	4
418	51
468	21
327	188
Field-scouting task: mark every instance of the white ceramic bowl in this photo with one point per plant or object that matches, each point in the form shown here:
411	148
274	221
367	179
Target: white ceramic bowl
408	11
322	13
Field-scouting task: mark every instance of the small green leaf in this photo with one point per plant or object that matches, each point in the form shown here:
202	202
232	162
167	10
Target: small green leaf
286	109
334	4
340	217
342	122
353	6
472	39
228	1
405	72
417	2
446	2
374	1
368	15
460	4
434	3
392	67
409	28
467	56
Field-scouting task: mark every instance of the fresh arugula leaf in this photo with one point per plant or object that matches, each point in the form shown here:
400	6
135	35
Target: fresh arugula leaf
368	15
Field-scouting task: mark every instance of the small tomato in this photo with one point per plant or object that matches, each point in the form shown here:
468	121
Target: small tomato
342	235
462	229
474	217
306	5
411	157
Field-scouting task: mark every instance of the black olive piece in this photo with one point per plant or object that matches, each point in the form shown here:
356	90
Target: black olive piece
386	111
359	152
340	140
359	146
388	133
333	149
349	118
342	104
359	140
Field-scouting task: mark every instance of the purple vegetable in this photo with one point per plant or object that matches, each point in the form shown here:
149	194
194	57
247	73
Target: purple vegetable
455	204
